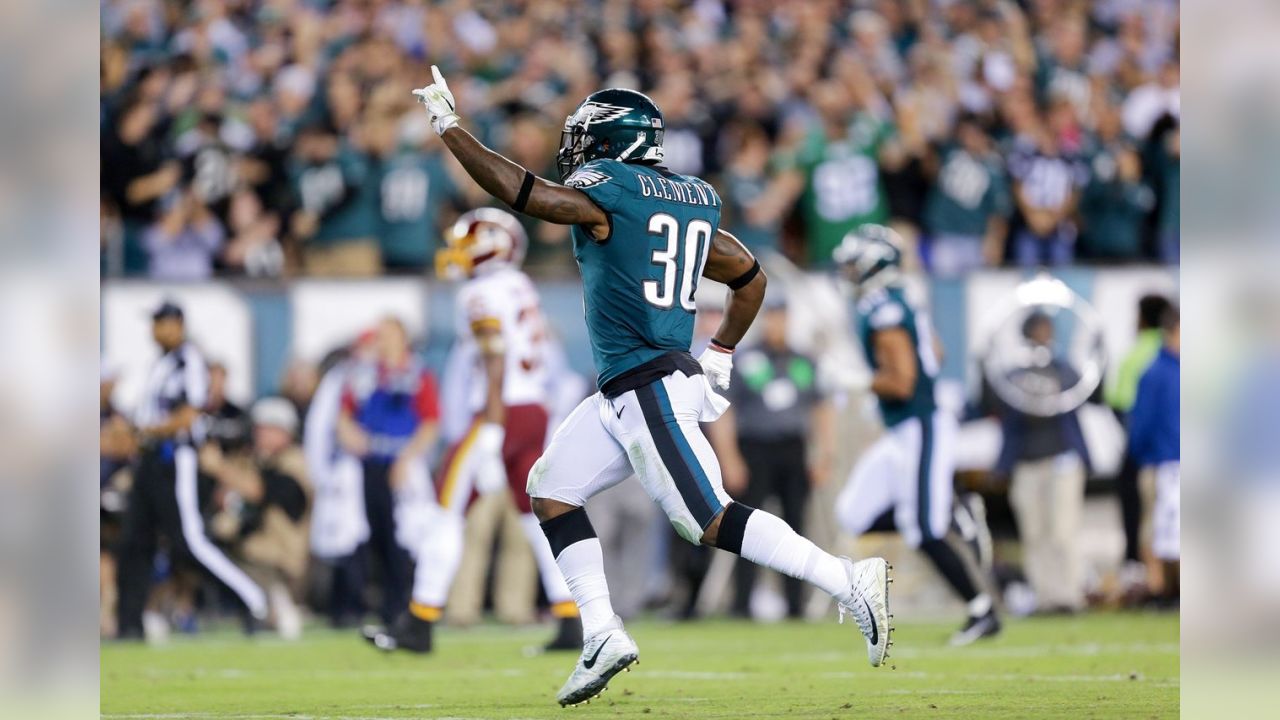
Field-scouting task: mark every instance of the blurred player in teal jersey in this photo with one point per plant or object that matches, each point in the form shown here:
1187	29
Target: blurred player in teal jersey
643	237
910	468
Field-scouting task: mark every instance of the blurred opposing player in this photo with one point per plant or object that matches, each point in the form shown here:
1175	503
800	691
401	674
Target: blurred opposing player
499	352
643	236
910	468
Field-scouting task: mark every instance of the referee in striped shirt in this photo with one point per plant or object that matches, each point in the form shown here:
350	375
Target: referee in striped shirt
164	499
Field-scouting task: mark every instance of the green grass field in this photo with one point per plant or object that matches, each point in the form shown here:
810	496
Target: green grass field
1099	666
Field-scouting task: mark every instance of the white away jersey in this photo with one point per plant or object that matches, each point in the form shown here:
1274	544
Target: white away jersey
505	299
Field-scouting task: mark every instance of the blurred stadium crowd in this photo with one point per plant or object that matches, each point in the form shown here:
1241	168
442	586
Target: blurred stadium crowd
277	137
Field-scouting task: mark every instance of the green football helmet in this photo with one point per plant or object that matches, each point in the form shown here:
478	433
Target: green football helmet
870	256
616	123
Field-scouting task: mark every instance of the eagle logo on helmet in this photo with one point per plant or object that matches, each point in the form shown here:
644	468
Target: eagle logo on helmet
597	112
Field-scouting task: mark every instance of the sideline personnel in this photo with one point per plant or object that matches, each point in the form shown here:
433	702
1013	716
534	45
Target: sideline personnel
164	497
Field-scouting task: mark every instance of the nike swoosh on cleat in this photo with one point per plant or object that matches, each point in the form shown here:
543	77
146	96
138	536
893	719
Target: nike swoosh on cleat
875	632
590	663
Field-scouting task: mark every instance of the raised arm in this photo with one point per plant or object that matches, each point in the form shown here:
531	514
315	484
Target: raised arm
505	180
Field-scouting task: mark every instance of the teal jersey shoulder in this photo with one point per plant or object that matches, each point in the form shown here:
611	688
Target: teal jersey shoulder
638	283
888	308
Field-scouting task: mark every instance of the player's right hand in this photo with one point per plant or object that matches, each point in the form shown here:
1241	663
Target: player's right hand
438	101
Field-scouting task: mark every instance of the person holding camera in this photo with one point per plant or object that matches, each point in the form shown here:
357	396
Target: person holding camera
260	502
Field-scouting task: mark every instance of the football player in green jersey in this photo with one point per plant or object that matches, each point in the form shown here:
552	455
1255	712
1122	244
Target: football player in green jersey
910	468
643	237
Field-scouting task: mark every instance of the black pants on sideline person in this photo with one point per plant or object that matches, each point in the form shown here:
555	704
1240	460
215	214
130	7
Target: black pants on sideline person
778	469
1130	508
164	501
395	566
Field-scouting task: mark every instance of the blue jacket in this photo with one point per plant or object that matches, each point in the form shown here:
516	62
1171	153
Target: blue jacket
1154	423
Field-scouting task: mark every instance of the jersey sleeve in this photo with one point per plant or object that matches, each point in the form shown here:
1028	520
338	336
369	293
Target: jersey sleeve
601	180
427	401
480	311
347	401
886	315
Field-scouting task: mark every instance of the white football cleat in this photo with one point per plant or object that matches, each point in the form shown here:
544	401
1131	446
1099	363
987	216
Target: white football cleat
868	602
604	655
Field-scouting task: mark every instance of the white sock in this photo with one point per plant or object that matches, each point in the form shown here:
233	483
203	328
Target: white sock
980	605
582	565
437	561
552	579
770	542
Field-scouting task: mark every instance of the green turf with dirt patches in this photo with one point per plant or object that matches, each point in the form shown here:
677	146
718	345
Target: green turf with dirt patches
1096	666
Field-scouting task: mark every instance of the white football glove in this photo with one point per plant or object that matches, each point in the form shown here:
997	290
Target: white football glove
491	474
438	102
717	365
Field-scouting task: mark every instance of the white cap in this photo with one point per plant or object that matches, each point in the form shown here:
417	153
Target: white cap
275	412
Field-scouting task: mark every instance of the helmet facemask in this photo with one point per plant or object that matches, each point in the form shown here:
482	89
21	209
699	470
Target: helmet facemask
574	141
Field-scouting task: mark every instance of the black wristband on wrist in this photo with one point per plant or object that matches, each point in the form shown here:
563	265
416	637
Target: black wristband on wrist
525	188
742	280
723	346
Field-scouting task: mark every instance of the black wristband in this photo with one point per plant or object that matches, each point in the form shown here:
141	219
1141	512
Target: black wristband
723	346
745	278
525	188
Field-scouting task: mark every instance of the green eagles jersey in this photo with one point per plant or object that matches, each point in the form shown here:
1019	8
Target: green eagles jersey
741	191
842	185
969	191
1113	209
889	308
337	190
638	284
413	187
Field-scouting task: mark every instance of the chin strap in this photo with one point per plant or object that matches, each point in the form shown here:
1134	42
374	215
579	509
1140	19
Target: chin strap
640	137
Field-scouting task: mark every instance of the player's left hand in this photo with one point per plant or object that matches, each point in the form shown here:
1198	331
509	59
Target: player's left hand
438	101
718	365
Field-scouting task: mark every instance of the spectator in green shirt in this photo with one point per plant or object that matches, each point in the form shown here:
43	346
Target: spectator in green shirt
835	175
967	211
415	191
1116	201
744	183
338	218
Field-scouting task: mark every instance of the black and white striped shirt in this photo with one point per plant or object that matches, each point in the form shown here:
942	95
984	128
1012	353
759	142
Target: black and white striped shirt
178	377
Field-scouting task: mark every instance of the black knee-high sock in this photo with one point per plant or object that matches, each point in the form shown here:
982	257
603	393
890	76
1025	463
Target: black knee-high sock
1130	508
951	566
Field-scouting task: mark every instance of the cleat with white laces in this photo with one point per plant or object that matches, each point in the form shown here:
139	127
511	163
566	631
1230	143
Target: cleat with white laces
604	655
868	601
